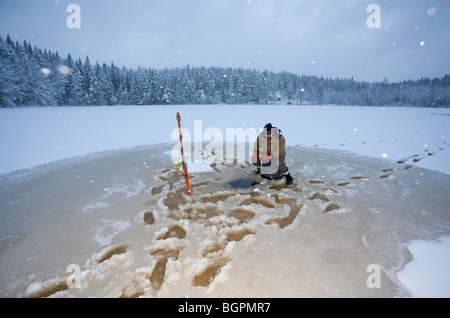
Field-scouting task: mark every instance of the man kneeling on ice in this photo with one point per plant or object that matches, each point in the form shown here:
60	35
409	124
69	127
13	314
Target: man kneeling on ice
270	153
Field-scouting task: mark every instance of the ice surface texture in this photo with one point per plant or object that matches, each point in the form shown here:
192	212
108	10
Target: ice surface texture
125	219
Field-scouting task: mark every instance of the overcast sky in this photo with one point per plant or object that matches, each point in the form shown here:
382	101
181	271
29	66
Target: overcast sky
311	37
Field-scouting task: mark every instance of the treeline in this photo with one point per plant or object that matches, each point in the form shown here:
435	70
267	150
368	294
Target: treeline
30	76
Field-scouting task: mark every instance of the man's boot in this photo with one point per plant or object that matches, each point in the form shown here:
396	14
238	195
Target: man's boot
289	179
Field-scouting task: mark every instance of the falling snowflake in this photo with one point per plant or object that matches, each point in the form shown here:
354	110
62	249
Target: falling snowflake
432	11
64	70
46	71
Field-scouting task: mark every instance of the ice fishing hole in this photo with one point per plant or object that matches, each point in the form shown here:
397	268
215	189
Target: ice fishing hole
243	184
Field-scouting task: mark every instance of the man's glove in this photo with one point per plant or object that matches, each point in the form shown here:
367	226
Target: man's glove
266	157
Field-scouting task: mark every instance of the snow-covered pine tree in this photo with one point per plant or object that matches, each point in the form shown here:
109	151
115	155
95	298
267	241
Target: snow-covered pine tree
32	77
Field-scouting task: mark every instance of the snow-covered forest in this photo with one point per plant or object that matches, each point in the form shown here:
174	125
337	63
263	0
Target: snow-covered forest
30	76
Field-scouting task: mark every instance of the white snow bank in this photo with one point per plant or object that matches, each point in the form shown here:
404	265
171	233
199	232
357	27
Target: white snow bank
427	274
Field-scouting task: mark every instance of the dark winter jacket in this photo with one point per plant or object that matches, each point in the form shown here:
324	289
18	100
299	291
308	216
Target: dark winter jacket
274	146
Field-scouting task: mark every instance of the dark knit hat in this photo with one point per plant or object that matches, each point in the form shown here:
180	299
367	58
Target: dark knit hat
268	128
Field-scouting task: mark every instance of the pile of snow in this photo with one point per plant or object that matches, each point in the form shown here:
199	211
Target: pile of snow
134	231
426	275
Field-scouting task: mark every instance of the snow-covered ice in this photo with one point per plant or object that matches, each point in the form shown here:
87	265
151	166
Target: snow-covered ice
96	187
32	136
428	255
